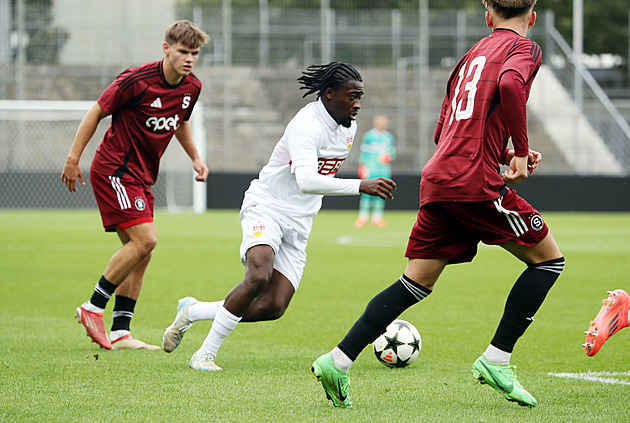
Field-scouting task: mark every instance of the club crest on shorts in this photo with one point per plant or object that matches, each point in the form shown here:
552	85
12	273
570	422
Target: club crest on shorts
536	222
258	229
139	203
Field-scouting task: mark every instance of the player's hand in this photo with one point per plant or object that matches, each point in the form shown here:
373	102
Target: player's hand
363	172
517	171
201	169
72	172
378	187
533	160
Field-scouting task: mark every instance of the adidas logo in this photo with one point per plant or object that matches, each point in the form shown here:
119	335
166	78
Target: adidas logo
157	103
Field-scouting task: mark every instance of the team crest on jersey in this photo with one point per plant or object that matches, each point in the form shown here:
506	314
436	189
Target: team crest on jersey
349	142
258	229
186	102
536	222
139	203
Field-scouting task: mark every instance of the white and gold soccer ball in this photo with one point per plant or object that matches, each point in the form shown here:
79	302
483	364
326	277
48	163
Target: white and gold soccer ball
399	346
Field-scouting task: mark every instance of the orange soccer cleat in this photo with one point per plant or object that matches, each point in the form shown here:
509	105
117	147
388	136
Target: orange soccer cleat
360	222
612	317
94	326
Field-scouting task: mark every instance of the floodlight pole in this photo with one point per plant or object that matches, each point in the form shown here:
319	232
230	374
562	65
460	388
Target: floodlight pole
228	117
423	76
326	31
578	50
21	50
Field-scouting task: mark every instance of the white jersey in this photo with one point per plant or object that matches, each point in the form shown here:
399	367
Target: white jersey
312	138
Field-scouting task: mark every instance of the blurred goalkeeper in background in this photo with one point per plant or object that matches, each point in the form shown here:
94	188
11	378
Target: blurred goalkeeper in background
148	104
377	152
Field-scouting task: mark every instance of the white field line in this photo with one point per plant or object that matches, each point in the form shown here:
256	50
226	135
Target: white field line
596	377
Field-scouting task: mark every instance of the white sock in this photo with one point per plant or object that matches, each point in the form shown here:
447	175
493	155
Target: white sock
204	311
224	323
497	356
91	307
341	359
116	334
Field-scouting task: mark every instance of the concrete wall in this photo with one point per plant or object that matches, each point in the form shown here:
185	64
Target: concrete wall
127	33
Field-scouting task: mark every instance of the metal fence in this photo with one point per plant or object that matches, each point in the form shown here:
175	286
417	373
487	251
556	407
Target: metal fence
250	67
588	96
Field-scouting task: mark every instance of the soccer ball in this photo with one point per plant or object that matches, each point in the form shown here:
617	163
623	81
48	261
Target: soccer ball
399	346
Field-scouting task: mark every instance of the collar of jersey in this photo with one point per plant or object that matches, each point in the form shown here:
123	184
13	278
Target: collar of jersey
328	120
504	31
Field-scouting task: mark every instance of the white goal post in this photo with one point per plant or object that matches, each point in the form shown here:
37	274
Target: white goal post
36	136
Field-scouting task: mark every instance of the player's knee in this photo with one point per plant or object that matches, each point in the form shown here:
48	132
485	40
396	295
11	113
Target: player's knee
148	244
275	310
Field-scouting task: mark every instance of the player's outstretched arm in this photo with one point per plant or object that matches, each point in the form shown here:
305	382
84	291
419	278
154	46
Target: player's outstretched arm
184	136
379	187
71	170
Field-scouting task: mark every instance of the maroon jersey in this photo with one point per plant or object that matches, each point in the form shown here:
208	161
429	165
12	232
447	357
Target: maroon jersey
146	110
472	132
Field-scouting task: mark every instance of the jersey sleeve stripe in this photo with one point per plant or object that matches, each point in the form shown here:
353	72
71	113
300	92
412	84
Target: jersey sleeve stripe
135	77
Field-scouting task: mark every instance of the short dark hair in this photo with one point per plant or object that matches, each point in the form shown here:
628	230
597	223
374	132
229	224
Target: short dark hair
316	78
509	8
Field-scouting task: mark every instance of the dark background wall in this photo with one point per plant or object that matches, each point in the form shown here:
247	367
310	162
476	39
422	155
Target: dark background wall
225	190
544	192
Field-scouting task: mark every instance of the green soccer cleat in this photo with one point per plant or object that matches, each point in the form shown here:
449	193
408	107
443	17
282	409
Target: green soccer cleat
503	379
335	381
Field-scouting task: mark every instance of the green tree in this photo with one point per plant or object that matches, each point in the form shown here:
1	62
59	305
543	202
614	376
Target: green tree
605	24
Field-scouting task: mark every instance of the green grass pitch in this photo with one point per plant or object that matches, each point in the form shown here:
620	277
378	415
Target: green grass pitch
50	371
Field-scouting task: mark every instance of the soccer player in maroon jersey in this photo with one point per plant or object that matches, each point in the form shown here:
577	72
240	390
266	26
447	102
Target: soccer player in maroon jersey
148	104
464	200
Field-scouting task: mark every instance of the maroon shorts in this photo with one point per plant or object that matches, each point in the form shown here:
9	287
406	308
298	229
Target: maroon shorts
123	202
452	230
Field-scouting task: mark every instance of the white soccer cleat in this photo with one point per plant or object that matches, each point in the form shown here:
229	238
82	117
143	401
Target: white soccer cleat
173	334
203	362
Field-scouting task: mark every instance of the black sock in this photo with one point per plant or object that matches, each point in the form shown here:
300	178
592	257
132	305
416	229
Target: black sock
524	300
102	292
380	312
123	312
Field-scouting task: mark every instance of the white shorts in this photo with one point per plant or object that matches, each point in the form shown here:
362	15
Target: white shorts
264	227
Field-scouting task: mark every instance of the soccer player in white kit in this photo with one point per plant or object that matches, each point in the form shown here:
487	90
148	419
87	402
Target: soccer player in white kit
278	209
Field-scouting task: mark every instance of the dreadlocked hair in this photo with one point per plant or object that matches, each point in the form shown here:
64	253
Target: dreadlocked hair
317	78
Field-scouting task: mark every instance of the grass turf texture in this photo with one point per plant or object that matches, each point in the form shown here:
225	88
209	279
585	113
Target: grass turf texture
50	371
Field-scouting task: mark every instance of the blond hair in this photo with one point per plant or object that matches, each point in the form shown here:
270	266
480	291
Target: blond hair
509	8
187	33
